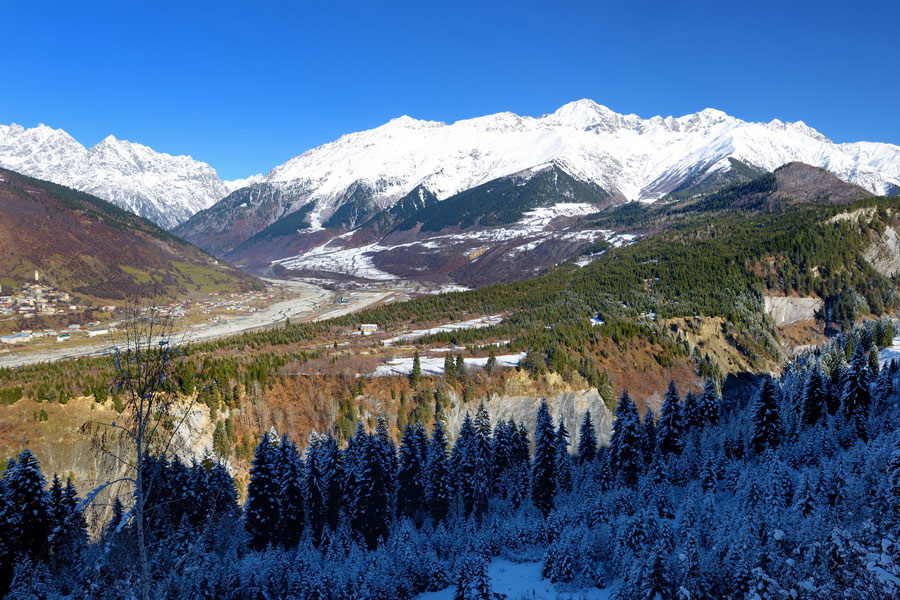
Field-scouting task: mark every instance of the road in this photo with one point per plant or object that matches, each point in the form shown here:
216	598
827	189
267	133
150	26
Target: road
308	303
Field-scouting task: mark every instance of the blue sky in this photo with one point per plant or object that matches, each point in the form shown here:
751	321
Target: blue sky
246	85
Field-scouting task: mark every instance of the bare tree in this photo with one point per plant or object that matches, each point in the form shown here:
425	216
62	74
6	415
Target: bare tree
153	413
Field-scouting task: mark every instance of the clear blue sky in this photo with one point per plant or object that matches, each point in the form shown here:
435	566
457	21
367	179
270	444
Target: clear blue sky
246	85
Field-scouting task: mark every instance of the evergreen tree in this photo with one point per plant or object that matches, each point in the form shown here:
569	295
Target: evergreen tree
766	421
449	368
30	503
415	376
460	366
501	450
315	488
291	494
387	450
709	403
410	476
691	417
563	460
331	472
669	433
372	493
463	463
543	470
855	396
262	512
626	443
893	473
438	488
587	439
813	401
650	435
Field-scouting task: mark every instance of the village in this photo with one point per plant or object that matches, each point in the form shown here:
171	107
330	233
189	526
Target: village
36	298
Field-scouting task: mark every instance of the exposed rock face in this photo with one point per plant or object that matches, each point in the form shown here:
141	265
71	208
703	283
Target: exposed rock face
884	254
786	310
568	406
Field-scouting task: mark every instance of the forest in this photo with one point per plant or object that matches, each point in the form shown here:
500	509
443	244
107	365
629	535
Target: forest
789	490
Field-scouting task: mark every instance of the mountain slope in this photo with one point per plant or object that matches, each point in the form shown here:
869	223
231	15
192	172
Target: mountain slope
85	245
163	188
343	183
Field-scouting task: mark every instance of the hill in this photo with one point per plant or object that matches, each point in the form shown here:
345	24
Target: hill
85	245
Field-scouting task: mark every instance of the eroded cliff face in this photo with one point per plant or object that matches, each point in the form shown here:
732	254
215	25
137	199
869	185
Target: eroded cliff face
884	253
787	310
74	440
570	407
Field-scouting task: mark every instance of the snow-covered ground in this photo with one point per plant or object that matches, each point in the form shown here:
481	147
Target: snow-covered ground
890	353
356	262
478	323
534	228
522	581
434	365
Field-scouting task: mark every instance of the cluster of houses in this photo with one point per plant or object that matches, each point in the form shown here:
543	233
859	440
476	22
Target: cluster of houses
27	335
232	302
35	299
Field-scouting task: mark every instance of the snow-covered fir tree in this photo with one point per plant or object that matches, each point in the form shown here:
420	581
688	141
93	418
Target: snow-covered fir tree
543	469
669	433
587	439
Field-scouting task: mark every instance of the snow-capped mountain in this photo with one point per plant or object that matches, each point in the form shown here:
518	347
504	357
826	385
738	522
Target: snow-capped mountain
166	189
642	159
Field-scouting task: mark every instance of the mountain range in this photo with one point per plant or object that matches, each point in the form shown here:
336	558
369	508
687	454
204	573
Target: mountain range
629	157
163	188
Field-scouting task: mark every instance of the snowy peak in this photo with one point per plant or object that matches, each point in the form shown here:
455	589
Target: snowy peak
640	159
164	188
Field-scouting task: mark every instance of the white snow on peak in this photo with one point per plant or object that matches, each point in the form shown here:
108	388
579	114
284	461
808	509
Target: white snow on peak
164	188
641	158
236	184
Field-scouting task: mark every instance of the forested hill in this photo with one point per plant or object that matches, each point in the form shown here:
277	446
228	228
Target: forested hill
85	245
713	256
790	492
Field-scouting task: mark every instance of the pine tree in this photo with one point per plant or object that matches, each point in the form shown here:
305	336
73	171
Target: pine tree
709	403
587	439
543	470
669	432
691	418
262	513
415	376
893	472
410	476
626	443
23	484
482	459
70	537
501	451
855	396
563	460
331	471
766	421
650	435
655	580
291	499
387	450
372	493
449	368
460	366
9	537
463	462
813	404
315	487
438	488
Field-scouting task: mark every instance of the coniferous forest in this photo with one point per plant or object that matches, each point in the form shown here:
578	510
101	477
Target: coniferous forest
788	490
